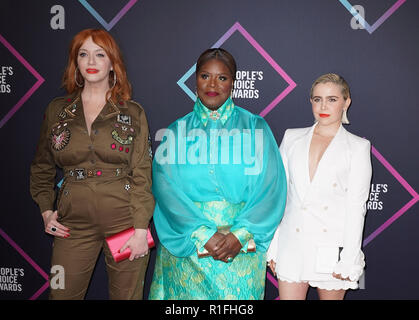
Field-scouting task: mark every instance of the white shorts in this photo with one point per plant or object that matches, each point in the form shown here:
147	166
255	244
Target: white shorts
327	285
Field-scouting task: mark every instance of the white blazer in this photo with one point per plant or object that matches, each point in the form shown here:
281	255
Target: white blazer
321	231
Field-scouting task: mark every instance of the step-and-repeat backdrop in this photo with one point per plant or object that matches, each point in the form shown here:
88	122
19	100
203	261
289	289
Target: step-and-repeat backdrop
280	46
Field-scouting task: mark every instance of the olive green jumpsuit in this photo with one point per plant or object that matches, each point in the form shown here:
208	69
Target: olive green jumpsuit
106	189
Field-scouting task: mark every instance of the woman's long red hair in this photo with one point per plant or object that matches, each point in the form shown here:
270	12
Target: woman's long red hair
122	88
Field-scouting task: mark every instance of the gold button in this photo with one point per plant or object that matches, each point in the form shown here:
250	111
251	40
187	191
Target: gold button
298	230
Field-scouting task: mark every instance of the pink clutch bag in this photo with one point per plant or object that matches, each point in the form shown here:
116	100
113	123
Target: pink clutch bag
116	241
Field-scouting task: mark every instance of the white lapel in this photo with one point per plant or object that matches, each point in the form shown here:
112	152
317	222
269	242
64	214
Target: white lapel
332	154
298	163
329	159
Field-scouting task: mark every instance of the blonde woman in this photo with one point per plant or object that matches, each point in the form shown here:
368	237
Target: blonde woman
318	242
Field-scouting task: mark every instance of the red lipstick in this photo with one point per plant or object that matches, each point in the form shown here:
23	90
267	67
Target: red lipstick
211	93
324	115
92	70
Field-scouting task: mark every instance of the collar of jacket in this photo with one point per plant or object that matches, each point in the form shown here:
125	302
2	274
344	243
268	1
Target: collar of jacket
222	113
110	109
338	136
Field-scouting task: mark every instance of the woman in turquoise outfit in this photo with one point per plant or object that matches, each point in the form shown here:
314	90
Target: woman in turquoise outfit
220	190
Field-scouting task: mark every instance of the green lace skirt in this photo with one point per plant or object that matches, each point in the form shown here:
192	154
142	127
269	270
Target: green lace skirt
190	278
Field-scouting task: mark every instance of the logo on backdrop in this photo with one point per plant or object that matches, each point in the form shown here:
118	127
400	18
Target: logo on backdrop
246	85
259	77
10	279
375	201
5	73
21	277
389	211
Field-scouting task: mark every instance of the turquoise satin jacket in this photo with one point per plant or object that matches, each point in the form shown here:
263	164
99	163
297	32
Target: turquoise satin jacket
225	155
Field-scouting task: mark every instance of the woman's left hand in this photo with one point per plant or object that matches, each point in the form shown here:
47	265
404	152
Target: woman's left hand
339	276
227	248
138	244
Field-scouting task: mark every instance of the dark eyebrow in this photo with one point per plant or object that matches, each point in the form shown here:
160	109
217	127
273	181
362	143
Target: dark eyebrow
218	74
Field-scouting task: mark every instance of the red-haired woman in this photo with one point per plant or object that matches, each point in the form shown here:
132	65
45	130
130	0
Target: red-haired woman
100	138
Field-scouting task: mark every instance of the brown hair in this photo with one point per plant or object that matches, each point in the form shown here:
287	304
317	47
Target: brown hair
219	54
333	78
122	88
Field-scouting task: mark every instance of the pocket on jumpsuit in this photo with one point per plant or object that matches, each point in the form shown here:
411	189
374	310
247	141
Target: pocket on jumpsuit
114	207
63	201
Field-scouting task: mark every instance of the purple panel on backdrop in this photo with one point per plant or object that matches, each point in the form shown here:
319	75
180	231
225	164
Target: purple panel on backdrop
238	27
99	18
291	84
30	261
379	22
405	185
27	95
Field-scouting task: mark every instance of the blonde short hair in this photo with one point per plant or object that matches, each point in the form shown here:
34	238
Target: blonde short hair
333	78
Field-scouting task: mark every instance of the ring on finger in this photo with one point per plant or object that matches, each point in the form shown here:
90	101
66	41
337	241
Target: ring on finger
53	229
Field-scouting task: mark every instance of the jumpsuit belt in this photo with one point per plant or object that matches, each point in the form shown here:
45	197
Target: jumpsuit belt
84	173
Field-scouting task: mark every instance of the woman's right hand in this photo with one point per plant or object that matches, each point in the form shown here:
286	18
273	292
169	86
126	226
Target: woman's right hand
50	222
212	242
272	265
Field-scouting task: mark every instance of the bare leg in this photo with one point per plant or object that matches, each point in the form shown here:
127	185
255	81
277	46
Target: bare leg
331	294
293	290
